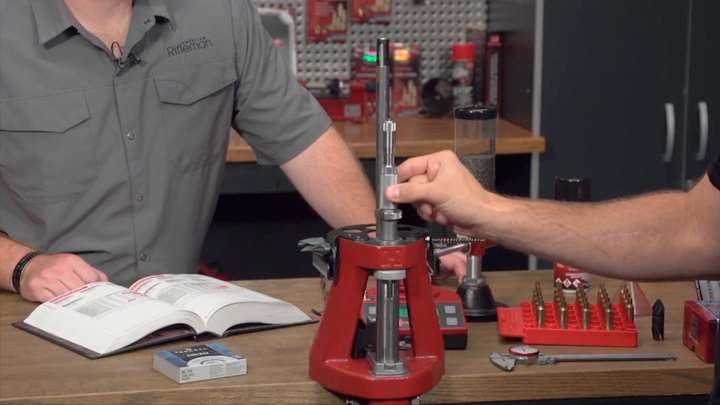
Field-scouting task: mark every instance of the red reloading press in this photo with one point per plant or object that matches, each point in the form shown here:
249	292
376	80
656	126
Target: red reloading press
386	375
394	255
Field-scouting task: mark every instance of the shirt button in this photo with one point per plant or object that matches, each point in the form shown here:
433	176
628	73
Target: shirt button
143	257
131	135
139	198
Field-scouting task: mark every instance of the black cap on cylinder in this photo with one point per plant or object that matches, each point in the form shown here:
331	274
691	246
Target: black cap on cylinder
475	112
572	189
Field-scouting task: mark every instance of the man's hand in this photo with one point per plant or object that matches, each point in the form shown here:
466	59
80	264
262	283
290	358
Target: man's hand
444	191
453	264
47	276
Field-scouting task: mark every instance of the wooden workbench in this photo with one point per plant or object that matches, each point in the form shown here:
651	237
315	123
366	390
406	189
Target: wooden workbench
35	371
416	136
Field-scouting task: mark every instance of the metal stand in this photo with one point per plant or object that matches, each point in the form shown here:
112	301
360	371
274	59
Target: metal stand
474	291
478	300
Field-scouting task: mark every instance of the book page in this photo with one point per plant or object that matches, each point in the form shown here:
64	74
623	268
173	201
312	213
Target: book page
104	317
219	303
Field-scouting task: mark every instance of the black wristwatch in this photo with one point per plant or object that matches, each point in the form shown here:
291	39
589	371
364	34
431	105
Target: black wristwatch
19	268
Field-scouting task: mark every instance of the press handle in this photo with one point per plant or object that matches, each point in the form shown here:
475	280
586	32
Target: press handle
670	132
704	128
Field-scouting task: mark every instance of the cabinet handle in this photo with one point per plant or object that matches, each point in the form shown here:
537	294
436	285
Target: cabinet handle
704	127
670	134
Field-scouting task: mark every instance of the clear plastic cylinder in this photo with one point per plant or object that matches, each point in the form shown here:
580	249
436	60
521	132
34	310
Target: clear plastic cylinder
475	136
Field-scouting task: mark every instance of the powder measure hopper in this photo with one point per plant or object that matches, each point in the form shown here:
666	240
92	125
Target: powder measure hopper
395	255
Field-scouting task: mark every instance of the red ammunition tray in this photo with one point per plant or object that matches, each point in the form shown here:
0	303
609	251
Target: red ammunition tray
520	322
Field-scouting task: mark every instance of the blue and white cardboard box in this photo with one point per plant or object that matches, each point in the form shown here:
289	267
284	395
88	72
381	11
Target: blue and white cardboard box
201	362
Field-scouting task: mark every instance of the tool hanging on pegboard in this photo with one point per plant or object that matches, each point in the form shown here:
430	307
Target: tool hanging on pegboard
433	25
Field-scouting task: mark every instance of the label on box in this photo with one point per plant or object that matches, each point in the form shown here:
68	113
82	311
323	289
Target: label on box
700	320
405	78
371	11
570	278
712	306
327	20
201	362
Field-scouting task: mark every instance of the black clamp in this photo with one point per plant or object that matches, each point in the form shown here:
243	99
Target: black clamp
324	255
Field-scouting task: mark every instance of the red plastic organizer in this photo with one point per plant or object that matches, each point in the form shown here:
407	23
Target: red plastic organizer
520	322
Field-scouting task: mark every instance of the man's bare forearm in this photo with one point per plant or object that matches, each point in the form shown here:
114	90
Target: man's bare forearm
10	254
658	236
331	180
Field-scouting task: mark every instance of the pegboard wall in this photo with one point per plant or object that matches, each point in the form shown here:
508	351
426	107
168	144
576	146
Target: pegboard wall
435	26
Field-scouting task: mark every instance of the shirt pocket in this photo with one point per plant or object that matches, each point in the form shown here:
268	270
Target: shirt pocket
47	150
196	104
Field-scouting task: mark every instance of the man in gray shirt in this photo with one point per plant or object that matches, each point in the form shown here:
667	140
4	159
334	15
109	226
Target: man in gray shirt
114	120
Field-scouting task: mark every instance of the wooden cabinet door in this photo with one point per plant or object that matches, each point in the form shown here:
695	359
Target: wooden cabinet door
609	69
703	113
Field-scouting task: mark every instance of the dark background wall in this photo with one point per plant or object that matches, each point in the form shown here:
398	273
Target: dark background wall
255	235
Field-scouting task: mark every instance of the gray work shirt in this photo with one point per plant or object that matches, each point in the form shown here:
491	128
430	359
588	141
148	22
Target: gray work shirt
121	162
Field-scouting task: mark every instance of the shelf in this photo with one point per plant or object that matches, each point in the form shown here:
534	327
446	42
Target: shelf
416	136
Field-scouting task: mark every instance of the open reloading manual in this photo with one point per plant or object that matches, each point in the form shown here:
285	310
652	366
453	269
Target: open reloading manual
101	319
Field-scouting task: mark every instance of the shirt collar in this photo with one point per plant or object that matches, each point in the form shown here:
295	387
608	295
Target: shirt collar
161	12
147	13
52	17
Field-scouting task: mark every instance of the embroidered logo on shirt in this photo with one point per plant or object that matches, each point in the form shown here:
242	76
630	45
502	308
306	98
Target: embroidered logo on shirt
189	45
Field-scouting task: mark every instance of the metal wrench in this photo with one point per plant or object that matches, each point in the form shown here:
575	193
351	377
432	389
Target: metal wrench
507	362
